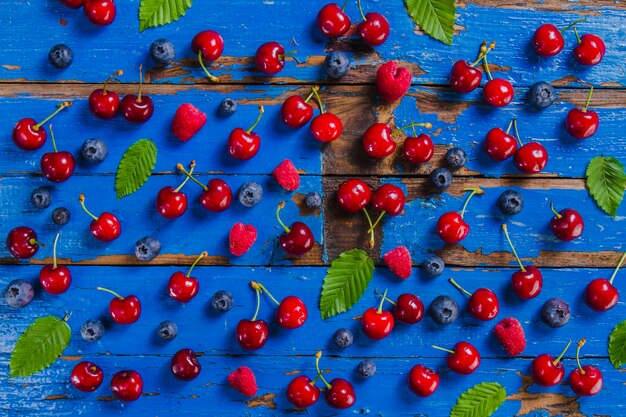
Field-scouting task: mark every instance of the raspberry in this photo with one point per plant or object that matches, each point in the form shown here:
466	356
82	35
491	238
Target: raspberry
242	379
398	260
188	120
511	336
241	238
286	175
392	82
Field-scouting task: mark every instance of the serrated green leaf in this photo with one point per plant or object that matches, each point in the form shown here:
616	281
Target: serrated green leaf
482	400
617	345
345	282
606	182
39	346
434	17
153	13
135	167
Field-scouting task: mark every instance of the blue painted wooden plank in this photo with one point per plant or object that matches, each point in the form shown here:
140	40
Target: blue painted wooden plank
100	51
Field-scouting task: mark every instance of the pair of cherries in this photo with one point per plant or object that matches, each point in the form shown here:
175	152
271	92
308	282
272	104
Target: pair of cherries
548	41
135	108
378	323
378	142
333	22
126	385
296	112
99	12
451	227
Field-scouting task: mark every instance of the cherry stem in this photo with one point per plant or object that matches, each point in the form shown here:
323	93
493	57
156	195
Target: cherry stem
556	213
281	205
140	83
181	168
382	301
54	144
580	344
427	125
361	10
443	349
345	3
576	33
258	119
255	285
458	287
81	200
310	96
193	265
36	242
258	302
474	191
318	355
519	261
312	383
483	52
486	65
380	216
508	128
54	251
318	98
192	166
110	292
558	358
67	316
212	78
116	74
384	296
517	132
619	265
574	23
60	107
584	109
371	229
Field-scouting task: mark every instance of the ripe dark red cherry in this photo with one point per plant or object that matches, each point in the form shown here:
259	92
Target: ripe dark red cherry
184	287
325	127
340	394
498	92
585	380
354	195
548	40
528	281
104	228
22	242
291	312
531	158
500	145
548	371
332	21
409	309
483	303
86	376
418	150
57	166
127	385
590	49
55	279
208	45
185	365
123	310
377	141
451	227
582	123
171	203
302	392
244	144
137	108
389	199
423	381
296	111
73	4
567	224
270	57
464	359
600	294
100	12
252	334
102	103
376	323
297	239
465	77
374	29
29	135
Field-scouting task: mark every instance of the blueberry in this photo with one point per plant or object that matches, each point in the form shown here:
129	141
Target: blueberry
147	248
41	197
343	338
250	194
92	330
555	312
444	310
167	330
19	293
541	95
61	216
228	106
433	265
94	150
222	301
456	158
441	179
60	56
337	64
313	200
162	52
366	368
510	202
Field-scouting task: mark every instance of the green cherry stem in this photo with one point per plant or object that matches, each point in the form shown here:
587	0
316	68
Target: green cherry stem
371	229
619	265
106	82
378	219
318	355
442	349
193	265
67	316
458	287
486	66
281	205
257	290
260	286
181	168
556	213
318	98
382	301
508	129
427	125
517	132
60	107
556	361
81	200
474	191
584	109
258	119
576	33
54	144
140	83
311	94
212	78
508	238
574	23
110	292
36	242
192	166
483	52
361	10
384	296
580	344
54	251
345	3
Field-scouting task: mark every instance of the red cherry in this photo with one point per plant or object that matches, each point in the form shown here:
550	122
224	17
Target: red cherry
297	239
270	57
171	203
102	103
22	242
73	4
548	371
389	199
585	380
354	195
582	123
123	310
185	365
326	127
291	313
244	144
208	45
528	281
127	385
376	323
464	359
86	376
464	77
500	145
104	228
590	49
252	334
483	303
418	150
409	309
184	287
451	227
377	141
100	12
302	393
332	21
217	195
548	40
137	108
567	224
498	92
531	158
55	279
296	112
374	29
29	135
600	294
57	166
340	394
423	381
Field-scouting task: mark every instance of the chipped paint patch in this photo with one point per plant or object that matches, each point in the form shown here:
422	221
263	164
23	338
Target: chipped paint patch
265	400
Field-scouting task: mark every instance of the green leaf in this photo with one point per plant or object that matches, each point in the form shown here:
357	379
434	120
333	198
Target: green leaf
435	17
482	400
617	345
39	346
135	167
153	13
345	281
606	182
